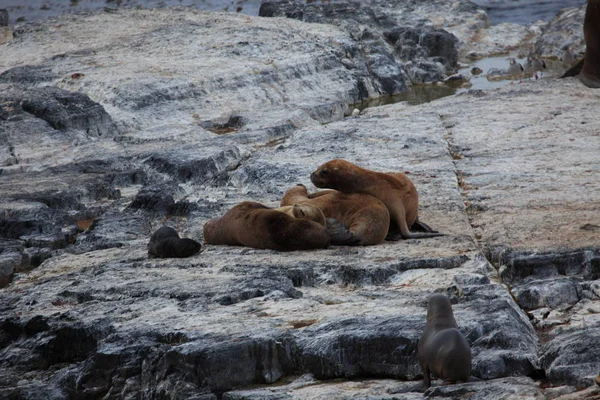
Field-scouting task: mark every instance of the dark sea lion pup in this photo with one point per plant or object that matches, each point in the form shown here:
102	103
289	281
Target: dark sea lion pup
166	243
394	189
443	350
255	225
590	74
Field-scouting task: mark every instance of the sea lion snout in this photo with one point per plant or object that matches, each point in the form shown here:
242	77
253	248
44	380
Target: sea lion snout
188	247
317	178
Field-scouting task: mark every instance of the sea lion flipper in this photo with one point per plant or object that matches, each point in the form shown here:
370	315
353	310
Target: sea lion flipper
339	234
397	236
574	70
420	226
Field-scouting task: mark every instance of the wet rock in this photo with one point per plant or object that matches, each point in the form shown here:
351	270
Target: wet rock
68	110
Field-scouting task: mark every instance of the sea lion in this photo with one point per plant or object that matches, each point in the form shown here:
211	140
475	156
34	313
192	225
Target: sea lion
588	68
590	73
166	243
365	219
443	350
304	211
256	225
394	189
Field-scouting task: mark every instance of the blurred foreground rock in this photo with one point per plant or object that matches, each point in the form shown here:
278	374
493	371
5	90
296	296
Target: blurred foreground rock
173	116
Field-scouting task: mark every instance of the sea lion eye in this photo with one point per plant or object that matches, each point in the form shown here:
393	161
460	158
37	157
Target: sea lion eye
323	172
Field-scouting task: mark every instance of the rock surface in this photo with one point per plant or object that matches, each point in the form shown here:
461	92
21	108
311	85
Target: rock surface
565	30
169	136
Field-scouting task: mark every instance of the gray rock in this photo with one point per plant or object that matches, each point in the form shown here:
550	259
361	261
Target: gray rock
10	260
425	71
566	29
28	75
97	318
392	41
154	198
570	357
413	43
552	293
497	389
67	110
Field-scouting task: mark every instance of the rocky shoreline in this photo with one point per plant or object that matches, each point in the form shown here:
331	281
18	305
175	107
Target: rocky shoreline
115	123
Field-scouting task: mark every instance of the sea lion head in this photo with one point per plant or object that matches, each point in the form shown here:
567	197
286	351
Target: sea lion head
311	213
335	174
187	247
439	309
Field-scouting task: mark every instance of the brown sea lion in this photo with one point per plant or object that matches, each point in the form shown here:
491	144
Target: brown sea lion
166	243
365	219
394	189
304	211
255	225
443	350
588	68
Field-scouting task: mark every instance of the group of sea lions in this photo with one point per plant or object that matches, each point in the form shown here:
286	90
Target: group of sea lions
362	208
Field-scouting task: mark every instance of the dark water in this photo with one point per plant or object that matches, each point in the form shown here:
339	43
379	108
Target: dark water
524	12
518	11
